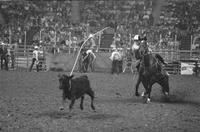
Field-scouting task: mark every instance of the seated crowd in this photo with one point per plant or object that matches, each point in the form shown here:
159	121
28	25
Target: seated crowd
128	17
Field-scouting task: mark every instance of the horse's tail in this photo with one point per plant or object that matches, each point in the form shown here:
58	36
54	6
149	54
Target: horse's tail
159	57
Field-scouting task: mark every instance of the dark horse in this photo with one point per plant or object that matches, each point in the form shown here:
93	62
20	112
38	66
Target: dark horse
150	73
87	62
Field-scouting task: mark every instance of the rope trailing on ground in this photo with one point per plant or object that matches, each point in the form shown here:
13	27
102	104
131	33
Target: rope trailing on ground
90	36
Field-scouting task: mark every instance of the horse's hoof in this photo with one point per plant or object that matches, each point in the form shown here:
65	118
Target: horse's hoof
148	100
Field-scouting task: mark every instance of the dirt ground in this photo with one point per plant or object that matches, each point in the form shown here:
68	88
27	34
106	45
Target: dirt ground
30	101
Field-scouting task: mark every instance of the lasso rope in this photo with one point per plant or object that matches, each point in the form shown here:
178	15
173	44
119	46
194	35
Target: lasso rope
90	36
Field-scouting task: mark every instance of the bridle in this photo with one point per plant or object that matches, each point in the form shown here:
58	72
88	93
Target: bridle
145	52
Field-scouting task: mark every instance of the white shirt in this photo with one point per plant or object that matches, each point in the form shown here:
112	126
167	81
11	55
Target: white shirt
135	46
115	56
35	54
90	51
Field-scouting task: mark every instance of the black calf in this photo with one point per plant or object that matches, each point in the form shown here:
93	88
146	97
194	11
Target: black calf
75	88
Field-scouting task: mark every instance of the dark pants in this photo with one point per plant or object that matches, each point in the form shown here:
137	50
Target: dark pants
120	66
4	61
115	67
12	60
33	62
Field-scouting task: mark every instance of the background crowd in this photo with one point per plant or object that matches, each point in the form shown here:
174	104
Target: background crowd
50	22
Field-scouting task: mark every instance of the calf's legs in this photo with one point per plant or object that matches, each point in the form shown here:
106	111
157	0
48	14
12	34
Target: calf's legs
91	94
72	103
81	104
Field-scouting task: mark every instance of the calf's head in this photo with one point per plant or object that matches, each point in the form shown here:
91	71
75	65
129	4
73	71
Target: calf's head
64	81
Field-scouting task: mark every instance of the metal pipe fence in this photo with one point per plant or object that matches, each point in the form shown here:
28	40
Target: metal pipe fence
23	57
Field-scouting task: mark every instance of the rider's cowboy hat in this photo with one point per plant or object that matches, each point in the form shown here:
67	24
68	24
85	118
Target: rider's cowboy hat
136	38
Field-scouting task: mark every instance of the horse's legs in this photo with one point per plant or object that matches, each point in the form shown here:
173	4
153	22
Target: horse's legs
89	67
137	86
81	104
144	94
91	94
92	66
149	92
84	68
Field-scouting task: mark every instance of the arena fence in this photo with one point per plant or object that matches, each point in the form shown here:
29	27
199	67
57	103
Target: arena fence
64	59
23	58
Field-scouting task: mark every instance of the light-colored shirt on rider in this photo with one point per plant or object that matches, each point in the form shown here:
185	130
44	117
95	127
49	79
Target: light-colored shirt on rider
90	52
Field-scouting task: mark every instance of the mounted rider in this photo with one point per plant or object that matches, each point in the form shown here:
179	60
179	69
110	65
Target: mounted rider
138	40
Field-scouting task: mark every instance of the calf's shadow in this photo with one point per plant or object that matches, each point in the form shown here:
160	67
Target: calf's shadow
55	114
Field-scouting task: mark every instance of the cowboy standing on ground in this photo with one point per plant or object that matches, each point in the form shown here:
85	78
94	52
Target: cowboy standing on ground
4	57
89	51
35	58
115	58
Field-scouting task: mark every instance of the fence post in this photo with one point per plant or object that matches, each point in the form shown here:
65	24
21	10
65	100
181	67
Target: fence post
16	55
191	46
98	47
27	55
24	43
44	58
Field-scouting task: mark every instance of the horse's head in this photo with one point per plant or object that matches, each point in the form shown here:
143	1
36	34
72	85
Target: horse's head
143	49
64	81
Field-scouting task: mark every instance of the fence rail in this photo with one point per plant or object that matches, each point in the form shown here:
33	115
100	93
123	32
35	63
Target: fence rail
23	57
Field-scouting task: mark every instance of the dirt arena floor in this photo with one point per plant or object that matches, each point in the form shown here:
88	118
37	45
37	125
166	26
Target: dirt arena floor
30	101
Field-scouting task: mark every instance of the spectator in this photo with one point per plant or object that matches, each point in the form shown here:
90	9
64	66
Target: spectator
35	58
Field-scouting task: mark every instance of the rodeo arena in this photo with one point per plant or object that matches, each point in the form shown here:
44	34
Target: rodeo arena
134	65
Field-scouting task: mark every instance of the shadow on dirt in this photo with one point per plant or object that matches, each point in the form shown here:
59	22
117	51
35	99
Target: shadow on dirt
101	116
173	99
121	100
178	100
67	115
55	114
